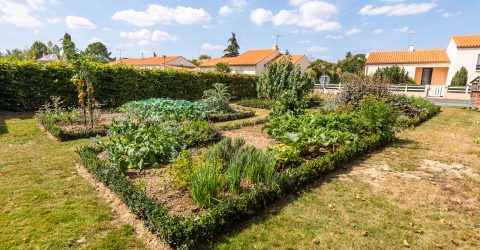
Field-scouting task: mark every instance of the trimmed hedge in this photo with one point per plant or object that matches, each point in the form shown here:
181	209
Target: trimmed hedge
204	227
66	135
237	115
27	85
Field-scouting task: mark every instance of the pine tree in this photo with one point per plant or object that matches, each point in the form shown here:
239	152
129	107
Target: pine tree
232	48
68	46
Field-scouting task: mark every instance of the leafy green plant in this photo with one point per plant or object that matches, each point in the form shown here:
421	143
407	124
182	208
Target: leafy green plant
164	109
222	67
182	168
358	87
460	78
285	156
205	183
257	103
216	100
393	75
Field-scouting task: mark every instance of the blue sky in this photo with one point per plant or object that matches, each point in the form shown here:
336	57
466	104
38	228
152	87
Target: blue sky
319	29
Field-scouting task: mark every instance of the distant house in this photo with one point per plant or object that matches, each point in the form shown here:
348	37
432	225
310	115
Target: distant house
176	62
432	67
49	58
253	62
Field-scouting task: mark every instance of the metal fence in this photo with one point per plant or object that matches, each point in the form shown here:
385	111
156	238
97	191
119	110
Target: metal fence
404	88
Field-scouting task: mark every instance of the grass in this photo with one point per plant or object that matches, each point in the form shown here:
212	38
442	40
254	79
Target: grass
365	207
43	202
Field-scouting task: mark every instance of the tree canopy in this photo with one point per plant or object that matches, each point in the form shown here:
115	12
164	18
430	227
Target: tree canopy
232	48
222	68
99	52
460	78
69	48
39	49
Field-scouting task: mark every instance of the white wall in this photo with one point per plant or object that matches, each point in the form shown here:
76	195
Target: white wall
250	70
178	62
303	63
260	67
466	57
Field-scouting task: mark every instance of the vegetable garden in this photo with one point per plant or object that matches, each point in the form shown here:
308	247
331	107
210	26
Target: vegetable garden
160	147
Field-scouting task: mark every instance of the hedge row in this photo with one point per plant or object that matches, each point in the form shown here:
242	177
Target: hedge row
27	85
203	228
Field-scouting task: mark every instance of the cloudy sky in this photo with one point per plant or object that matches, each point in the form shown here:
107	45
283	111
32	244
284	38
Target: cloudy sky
319	29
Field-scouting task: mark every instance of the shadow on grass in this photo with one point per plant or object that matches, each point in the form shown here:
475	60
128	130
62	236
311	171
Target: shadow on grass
4	116
276	207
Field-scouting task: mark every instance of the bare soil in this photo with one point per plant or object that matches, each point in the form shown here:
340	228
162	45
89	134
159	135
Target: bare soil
160	187
253	135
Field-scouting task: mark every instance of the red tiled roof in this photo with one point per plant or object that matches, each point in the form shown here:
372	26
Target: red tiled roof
294	58
467	41
146	61
251	57
417	56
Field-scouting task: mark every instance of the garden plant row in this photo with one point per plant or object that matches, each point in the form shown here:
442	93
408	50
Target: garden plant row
330	139
27	85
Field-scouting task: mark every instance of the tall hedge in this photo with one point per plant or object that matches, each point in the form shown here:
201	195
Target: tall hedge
27	85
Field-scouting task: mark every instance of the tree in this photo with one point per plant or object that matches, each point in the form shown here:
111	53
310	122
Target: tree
352	63
69	49
39	49
232	48
16	54
222	67
321	67
460	78
392	75
203	57
99	52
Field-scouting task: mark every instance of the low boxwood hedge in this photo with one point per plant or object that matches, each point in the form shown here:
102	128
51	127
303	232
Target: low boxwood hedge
203	228
66	135
239	114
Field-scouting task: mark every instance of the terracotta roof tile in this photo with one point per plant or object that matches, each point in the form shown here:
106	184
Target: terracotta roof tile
295	58
146	61
467	41
418	56
251	57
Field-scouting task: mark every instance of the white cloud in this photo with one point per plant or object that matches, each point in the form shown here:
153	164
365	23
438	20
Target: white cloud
449	14
305	41
155	14
20	13
297	2
144	37
397	9
333	37
353	31
76	22
239	3
107	29
95	39
54	20
210	47
393	1
378	31
401	29
309	14
260	16
225	11
314	49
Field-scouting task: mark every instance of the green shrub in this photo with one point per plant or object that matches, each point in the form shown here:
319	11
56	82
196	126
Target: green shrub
182	169
257	103
200	133
222	67
236	115
164	109
27	85
285	156
460	78
224	150
359	87
205	183
217	99
393	75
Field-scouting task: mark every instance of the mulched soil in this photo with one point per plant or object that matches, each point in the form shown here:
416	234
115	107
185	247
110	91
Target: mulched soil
252	135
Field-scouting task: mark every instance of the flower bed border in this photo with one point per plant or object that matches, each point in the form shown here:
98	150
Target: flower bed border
203	228
57	132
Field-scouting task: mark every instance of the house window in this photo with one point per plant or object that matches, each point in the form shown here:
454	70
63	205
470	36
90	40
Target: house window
478	62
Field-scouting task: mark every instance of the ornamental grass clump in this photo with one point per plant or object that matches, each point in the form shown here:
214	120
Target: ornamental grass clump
224	150
205	184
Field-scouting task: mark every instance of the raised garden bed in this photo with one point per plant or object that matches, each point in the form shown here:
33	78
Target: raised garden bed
188	223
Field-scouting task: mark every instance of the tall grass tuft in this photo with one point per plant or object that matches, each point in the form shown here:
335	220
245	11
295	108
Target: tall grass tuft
235	174
205	183
224	150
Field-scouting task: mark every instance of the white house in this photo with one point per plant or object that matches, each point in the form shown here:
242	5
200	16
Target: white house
253	62
433	67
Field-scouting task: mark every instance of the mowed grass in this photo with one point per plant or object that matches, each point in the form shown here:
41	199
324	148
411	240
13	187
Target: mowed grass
364	207
44	204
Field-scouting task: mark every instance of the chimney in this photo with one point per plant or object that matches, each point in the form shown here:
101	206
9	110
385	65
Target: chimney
275	47
411	48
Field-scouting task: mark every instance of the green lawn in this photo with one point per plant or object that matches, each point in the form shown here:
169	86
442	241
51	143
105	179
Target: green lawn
43	202
382	201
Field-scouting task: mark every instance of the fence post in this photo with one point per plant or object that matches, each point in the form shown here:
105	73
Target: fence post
339	85
406	88
427	88
466	89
